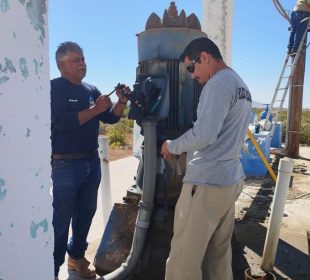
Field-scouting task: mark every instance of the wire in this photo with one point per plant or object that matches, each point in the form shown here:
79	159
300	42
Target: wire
280	9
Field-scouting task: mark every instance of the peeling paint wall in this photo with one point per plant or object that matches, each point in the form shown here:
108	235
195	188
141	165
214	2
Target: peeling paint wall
217	23
26	231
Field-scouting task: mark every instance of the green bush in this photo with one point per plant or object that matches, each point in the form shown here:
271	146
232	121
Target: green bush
116	133
128	124
116	136
305	128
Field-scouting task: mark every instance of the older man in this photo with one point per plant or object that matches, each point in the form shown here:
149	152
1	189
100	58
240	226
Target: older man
76	110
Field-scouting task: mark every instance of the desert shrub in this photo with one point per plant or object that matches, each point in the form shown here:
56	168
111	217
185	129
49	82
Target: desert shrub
305	128
127	123
116	136
116	133
304	137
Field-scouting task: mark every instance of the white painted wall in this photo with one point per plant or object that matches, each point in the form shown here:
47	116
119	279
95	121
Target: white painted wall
217	23
26	231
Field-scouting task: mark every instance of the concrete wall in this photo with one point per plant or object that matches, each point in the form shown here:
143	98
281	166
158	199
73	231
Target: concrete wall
217	23
26	231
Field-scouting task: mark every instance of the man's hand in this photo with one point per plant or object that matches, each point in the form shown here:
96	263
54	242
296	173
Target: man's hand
122	98
165	152
103	103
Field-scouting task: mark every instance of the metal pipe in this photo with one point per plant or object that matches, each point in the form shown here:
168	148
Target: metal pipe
146	204
105	183
271	243
262	156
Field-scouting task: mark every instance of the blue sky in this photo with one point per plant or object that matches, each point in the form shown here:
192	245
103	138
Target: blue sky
106	30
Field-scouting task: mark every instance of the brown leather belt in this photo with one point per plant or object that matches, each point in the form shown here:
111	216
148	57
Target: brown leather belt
75	155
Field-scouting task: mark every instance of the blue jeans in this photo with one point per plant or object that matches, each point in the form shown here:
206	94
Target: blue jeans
75	188
298	29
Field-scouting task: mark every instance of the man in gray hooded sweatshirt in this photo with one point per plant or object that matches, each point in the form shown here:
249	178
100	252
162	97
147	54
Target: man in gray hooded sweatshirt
204	214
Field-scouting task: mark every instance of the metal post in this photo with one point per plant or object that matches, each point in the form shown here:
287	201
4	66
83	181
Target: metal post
271	243
105	184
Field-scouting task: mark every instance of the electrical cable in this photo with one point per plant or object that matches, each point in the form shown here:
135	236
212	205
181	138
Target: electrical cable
280	9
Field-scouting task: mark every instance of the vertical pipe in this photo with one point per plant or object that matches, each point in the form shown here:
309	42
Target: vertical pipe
271	243
150	162
105	184
146	204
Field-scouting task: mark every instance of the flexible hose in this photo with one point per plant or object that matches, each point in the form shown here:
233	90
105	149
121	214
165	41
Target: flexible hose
280	9
145	205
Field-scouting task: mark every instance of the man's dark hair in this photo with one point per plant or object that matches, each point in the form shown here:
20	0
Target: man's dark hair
66	47
203	44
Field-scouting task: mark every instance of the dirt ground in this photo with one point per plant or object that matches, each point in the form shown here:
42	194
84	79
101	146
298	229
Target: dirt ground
253	208
252	218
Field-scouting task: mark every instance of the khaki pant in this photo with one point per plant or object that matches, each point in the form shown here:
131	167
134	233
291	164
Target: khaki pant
203	226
